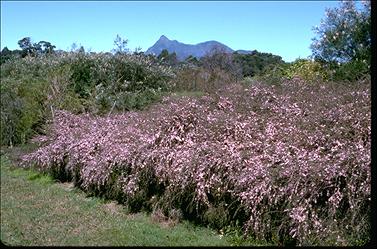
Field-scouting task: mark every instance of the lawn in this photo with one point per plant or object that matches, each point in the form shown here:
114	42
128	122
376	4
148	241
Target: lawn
37	211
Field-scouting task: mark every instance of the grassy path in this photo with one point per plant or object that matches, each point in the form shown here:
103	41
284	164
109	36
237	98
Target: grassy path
36	211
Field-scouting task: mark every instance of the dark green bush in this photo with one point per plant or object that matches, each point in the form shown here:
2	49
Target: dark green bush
23	94
127	82
82	76
351	71
33	87
256	63
11	111
217	217
272	75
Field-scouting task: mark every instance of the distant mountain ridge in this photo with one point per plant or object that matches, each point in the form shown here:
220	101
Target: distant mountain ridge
184	50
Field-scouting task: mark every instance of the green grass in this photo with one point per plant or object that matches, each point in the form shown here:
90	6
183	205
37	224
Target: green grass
37	211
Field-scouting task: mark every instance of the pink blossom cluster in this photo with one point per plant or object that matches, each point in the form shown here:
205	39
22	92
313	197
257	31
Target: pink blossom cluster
295	156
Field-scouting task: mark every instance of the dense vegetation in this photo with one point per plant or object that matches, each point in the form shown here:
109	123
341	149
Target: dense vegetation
279	150
34	86
272	159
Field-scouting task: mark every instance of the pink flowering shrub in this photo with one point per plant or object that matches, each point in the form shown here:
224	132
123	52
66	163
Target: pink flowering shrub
290	163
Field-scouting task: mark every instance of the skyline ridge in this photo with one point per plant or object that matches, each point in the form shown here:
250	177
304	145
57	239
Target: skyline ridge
184	50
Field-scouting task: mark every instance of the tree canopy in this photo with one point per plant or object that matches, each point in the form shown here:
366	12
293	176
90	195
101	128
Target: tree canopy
34	49
344	34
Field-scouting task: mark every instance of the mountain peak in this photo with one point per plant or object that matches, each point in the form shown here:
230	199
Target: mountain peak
184	50
163	38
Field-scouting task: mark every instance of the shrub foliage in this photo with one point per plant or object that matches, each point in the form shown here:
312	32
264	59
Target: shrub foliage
310	71
288	163
33	87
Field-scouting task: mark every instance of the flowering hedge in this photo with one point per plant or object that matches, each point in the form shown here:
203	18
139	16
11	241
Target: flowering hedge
289	162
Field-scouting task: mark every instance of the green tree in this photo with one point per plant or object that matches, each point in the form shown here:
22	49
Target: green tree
220	59
163	55
191	59
256	63
5	55
34	49
81	50
46	47
120	45
173	58
26	45
169	59
345	34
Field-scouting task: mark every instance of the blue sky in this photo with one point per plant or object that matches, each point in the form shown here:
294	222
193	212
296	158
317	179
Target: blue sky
279	27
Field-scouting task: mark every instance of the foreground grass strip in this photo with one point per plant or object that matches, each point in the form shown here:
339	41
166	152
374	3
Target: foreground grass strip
36	211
